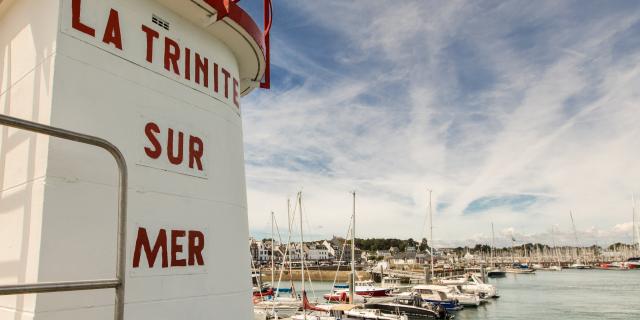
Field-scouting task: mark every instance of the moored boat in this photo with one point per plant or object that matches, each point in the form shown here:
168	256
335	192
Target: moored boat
412	311
342	296
496	273
455	292
276	309
633	263
369	289
520	269
395	284
431	295
373	314
579	265
470	283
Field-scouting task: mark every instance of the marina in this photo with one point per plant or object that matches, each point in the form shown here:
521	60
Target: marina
442	285
345	160
549	295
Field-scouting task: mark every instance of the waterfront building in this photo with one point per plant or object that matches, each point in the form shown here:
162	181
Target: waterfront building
317	252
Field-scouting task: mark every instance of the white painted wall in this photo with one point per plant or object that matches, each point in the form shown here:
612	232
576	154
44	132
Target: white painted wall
71	189
318	254
27	47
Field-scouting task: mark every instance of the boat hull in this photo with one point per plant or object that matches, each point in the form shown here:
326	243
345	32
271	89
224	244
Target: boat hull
496	274
411	311
449	305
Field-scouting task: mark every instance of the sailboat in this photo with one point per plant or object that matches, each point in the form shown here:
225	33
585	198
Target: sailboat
338	311
557	267
634	262
308	312
494	272
356	288
517	268
578	264
275	306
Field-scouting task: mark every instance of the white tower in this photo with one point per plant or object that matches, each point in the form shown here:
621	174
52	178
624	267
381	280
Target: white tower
162	81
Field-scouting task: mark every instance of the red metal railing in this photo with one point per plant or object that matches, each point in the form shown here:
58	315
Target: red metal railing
228	7
268	19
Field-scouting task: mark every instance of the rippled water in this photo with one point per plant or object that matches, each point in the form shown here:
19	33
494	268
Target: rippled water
568	294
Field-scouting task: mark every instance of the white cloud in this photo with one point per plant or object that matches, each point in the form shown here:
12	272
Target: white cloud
439	94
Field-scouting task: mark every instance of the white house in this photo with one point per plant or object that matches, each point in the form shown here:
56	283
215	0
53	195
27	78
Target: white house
317	252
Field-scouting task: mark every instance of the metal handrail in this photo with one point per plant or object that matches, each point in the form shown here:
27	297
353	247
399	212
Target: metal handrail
119	282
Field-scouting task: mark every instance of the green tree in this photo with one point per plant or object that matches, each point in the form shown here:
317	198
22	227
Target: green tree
424	244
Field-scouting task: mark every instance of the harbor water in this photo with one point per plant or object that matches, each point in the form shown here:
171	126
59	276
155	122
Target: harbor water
568	294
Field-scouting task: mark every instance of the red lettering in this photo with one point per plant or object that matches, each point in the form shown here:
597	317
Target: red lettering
195	154
171	55
177	248
187	63
202	66
142	242
175	159
112	32
149	130
195	249
174	149
215	77
226	82
151	35
75	19
235	93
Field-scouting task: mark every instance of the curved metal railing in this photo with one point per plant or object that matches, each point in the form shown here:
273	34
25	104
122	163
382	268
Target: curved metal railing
119	282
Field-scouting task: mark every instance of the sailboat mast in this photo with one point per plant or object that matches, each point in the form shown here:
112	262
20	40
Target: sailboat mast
431	234
553	239
575	235
634	231
353	250
304	311
301	241
290	226
273	247
513	244
492	246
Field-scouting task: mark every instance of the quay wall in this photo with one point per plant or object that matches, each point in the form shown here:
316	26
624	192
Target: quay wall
314	275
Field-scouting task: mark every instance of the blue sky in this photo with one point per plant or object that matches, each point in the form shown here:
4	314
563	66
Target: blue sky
513	112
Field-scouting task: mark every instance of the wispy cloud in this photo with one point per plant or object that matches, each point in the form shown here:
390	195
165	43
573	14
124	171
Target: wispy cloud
476	100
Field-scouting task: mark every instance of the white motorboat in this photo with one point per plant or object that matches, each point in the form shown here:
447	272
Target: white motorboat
278	307
520	270
454	292
313	315
368	288
373	314
395	284
465	299
432	294
470	283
